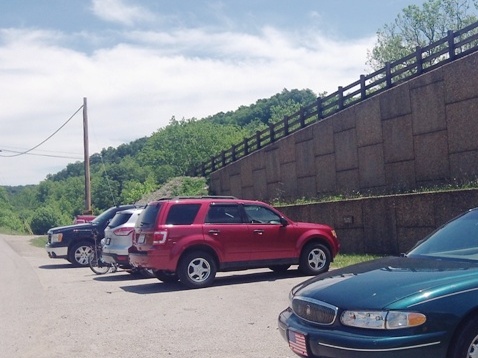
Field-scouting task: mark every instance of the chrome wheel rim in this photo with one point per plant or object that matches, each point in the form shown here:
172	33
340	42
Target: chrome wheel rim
199	270
473	348
82	255
316	259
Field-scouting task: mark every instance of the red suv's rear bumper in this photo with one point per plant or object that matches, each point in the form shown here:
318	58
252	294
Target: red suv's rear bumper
152	259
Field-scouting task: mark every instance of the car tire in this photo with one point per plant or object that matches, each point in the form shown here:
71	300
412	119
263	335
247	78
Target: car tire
197	269
466	341
314	259
279	268
79	254
166	276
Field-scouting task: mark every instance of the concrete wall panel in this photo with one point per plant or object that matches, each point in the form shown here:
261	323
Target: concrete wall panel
398	139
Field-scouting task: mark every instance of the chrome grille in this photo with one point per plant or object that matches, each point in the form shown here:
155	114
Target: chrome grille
314	311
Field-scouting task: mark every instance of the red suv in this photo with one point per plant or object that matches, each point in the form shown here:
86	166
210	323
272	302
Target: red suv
190	239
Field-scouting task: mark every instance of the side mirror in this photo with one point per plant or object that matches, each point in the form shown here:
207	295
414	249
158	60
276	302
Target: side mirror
284	222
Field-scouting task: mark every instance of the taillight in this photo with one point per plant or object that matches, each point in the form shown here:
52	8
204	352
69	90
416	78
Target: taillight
123	231
159	237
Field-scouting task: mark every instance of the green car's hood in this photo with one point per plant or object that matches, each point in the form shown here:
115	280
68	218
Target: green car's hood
392	282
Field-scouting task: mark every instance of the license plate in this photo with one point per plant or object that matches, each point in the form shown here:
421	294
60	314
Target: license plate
141	239
297	342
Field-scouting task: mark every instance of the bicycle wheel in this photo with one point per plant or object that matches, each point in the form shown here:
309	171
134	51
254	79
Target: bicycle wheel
97	265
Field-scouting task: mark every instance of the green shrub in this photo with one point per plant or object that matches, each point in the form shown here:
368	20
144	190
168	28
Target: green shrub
45	218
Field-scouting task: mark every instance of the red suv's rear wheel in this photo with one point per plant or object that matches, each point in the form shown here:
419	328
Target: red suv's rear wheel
166	276
197	269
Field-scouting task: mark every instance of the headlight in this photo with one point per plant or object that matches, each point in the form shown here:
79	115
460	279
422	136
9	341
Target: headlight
56	237
382	319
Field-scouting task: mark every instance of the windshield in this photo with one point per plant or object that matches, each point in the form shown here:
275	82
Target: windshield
103	217
456	239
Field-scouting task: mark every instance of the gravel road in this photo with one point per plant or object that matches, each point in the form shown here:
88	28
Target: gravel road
51	309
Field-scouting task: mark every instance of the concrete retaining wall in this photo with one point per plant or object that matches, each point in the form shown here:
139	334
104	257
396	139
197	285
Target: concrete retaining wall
419	134
389	224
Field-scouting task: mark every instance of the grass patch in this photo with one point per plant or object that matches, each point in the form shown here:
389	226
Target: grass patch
342	260
8	231
39	241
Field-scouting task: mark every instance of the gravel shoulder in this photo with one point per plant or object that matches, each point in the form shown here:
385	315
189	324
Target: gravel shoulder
51	309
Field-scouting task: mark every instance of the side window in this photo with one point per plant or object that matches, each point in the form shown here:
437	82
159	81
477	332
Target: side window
182	214
257	214
224	214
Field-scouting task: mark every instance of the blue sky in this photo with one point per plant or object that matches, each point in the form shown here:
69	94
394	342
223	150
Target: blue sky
140	62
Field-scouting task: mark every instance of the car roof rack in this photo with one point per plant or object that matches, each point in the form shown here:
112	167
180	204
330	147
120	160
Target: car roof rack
205	197
199	197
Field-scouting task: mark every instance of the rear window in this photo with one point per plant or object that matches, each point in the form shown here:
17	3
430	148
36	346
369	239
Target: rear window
119	219
182	214
224	214
148	216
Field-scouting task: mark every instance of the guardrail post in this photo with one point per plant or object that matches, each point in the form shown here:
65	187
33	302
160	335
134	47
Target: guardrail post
246	147
223	158
272	133
258	139
363	91
451	45
388	74
419	59
319	108
213	165
340	92
286	126
302	118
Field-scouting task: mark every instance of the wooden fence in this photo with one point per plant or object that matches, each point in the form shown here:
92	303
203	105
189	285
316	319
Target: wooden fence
455	45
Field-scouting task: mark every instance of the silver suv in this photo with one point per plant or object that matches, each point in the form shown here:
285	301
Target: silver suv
118	237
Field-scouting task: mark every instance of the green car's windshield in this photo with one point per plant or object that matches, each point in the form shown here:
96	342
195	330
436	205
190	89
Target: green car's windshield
457	239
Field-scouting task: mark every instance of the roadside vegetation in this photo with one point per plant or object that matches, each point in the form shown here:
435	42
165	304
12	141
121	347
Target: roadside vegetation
39	241
342	260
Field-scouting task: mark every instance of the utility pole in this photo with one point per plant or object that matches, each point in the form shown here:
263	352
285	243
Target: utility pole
86	159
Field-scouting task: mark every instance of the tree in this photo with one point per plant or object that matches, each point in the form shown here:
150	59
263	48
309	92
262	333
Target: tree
419	27
44	219
176	148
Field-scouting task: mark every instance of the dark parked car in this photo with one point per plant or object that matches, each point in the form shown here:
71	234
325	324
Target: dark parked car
190	239
423	304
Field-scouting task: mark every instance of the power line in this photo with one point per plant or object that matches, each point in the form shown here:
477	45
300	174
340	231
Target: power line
35	147
36	154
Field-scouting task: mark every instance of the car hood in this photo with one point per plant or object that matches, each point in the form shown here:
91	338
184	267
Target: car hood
392	282
77	227
306	225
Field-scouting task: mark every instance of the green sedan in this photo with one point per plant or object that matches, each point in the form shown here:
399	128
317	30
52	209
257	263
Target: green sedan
423	304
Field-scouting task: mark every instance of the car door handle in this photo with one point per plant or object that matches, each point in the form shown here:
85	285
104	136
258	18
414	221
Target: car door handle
214	232
258	232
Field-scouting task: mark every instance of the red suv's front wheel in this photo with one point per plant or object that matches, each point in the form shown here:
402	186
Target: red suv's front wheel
314	259
197	269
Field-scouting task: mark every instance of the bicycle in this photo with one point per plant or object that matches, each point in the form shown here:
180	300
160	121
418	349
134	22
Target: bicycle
96	262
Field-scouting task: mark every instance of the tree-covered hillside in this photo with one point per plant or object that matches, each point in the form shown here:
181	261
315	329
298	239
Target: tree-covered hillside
133	170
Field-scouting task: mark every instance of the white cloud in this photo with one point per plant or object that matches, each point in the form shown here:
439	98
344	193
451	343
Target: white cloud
119	11
136	86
